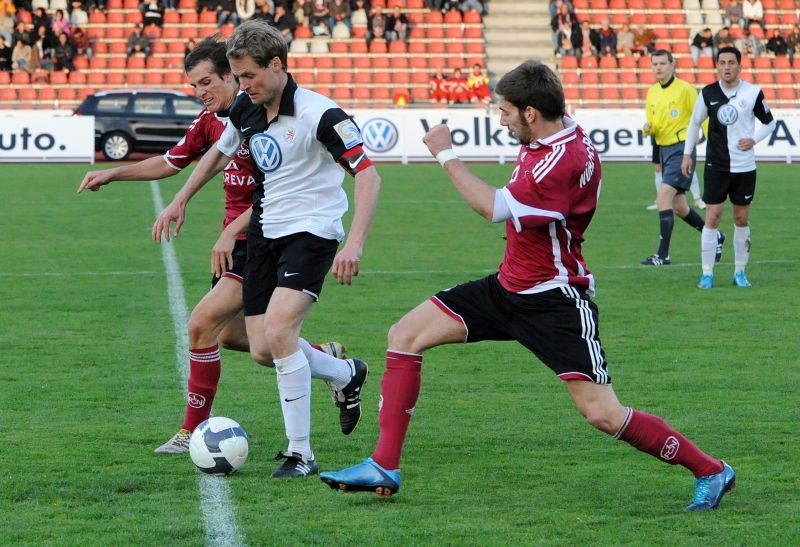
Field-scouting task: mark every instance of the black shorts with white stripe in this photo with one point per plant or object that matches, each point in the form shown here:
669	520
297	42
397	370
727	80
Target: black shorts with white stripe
560	326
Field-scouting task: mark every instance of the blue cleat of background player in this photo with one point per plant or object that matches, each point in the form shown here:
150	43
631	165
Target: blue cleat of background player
709	490
366	476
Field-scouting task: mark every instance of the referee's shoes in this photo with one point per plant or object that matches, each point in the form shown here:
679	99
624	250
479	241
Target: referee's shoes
655	260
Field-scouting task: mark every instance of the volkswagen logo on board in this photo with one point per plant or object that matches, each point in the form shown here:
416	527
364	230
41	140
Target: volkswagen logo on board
380	135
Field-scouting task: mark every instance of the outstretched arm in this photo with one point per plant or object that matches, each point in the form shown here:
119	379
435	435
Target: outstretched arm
209	165
478	195
154	168
367	189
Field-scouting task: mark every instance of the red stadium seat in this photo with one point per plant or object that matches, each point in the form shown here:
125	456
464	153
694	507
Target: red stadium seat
609	77
571	95
362	62
630	94
361	94
399	63
608	62
782	78
120	48
325	77
380	61
769	93
324	62
342	93
569	78
339	47
785	94
705	63
434	18
569	62
401	77
27	94
363	78
435	31
173	78
588	61
781	62
115	78
133	17
381	93
420	94
343	62
453	17
381	77
77	78
763	63
136	62
154	77
67	94
5	77
359	46
58	77
8	94
378	46
590	77
155	62
21	77
471	17
397	47
134	78
590	94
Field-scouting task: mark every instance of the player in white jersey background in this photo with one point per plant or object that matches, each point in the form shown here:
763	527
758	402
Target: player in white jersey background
732	106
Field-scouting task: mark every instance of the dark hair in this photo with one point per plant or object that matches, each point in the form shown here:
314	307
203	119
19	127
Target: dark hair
661	53
536	85
209	49
259	40
730	49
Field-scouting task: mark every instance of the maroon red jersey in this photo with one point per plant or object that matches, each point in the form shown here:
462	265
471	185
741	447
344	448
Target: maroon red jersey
552	196
238	180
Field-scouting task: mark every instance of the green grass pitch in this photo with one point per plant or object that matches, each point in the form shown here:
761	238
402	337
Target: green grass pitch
496	453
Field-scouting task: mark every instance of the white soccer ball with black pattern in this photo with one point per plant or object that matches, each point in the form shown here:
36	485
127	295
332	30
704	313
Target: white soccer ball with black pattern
218	446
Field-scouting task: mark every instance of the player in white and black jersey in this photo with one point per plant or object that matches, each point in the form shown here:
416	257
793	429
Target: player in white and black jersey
732	106
302	144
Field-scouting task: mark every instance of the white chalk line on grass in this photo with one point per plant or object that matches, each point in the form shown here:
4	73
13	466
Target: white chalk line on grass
594	267
219	516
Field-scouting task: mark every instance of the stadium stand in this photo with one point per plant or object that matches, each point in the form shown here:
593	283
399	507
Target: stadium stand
382	69
375	74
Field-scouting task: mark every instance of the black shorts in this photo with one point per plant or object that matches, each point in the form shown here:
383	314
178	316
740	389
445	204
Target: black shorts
720	185
239	259
671	159
656	152
559	326
298	261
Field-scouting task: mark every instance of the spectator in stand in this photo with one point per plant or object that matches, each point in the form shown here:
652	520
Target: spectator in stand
263	12
5	55
776	45
43	43
555	7
319	18
753	12
78	17
21	32
64	54
587	42
302	11
7	11
734	14
625	40
206	5
478	83
285	22
457	88
81	43
723	39
340	11
226	13
644	41
703	44
749	44
451	5
476	5
608	40
62	5
138	42
60	23
562	25
40	18
793	43
376	27
189	47
439	87
21	55
397	24
153	13
245	9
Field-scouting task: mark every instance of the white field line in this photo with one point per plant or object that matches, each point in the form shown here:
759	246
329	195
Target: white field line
215	495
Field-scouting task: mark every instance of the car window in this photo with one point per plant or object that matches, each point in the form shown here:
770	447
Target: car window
150	105
112	104
186	107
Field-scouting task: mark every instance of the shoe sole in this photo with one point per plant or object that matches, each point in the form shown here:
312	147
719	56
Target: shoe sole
168	451
380	491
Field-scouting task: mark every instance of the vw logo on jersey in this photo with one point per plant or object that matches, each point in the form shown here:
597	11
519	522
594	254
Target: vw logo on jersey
266	152
727	114
380	135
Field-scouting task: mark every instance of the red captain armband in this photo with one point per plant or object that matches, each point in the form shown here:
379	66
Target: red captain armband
355	160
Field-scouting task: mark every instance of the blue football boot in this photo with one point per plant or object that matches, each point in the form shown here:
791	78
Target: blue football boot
708	491
706	281
740	280
366	476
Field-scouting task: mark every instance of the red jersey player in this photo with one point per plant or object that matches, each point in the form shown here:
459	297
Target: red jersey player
458	88
439	87
217	320
478	83
541	296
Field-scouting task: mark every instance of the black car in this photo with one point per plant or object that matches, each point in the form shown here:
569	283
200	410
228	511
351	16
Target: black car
138	120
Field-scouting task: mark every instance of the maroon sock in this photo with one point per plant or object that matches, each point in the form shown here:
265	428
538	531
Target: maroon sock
316	346
399	392
204	369
653	435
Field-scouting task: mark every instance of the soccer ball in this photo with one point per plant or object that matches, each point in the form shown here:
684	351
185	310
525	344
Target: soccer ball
218	446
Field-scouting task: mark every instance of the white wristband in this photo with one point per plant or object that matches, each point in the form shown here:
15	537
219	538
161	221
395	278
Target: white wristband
446	155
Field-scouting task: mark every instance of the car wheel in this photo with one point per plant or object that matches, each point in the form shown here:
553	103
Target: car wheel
116	146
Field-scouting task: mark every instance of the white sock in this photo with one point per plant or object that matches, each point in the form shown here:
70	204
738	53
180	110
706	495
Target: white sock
695	188
741	248
294	388
658	178
708	250
326	367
